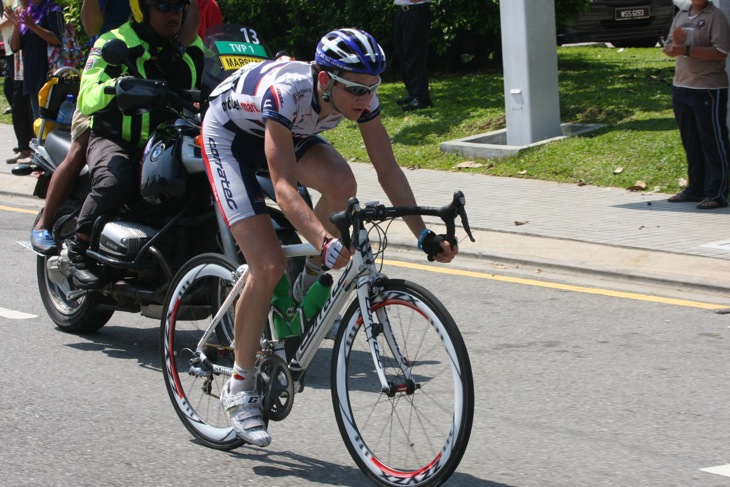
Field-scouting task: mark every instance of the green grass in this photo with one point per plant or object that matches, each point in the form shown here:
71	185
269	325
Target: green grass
627	90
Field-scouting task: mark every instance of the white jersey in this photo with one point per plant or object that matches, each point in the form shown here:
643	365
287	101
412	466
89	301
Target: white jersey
282	91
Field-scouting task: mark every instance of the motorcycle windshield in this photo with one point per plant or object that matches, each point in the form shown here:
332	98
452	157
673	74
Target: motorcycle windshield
227	48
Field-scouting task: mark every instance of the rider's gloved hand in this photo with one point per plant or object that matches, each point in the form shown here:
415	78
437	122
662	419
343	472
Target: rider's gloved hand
169	57
331	251
431	243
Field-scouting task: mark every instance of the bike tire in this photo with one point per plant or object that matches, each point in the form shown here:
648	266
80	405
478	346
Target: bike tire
78	316
196	293
408	439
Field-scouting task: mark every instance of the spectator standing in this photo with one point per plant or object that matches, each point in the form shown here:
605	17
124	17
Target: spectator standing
699	40
35	28
210	14
412	33
22	116
6	30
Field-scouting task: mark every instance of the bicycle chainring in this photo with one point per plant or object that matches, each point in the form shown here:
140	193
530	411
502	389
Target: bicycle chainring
276	387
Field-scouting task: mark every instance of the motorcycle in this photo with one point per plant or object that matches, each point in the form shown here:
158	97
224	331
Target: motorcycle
140	248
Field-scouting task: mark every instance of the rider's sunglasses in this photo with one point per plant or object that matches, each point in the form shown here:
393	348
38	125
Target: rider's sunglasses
356	89
167	7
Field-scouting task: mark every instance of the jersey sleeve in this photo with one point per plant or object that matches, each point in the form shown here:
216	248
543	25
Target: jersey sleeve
278	103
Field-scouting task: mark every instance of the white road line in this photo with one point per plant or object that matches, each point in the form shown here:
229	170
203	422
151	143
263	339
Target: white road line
721	470
15	315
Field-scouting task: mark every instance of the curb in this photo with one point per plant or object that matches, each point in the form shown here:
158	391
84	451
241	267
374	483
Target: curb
635	265
685	272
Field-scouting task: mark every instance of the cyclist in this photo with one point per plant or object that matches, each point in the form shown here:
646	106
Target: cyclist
270	113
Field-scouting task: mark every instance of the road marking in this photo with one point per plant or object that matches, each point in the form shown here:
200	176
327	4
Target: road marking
563	287
721	470
15	315
528	282
18	210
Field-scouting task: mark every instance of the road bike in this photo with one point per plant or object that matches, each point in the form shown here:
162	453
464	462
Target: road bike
401	381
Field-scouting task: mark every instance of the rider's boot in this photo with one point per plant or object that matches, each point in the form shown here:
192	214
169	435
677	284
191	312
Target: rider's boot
84	271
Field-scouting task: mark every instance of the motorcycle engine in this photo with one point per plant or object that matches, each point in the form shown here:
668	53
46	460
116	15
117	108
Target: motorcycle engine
123	240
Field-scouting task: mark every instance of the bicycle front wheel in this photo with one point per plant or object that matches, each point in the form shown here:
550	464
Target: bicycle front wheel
417	432
195	295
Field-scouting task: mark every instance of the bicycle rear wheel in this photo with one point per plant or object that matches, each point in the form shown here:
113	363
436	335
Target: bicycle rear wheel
416	435
195	295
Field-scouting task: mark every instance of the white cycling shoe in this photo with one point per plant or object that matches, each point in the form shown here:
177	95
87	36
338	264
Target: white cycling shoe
244	410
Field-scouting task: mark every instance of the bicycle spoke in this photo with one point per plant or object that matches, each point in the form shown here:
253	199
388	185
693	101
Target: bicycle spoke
416	434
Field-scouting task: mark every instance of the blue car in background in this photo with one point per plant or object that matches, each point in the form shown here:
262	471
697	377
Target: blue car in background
623	23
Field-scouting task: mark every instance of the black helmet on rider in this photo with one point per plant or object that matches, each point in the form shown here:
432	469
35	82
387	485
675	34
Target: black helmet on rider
350	50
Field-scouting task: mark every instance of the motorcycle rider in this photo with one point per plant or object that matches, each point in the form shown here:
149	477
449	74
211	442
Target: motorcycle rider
269	114
116	140
97	17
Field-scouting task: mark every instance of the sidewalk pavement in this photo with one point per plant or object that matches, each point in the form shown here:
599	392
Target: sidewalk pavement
604	231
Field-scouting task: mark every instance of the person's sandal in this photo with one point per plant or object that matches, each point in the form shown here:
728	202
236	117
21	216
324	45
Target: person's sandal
683	198
708	204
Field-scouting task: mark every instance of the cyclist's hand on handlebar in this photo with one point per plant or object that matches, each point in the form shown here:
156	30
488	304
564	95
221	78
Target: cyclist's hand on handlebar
334	254
438	247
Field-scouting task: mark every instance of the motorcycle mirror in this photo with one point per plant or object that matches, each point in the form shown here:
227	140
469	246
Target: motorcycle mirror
114	52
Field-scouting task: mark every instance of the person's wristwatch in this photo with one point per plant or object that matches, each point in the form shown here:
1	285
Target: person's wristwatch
686	51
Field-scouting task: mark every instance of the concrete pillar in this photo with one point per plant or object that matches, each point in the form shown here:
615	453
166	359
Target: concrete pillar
530	62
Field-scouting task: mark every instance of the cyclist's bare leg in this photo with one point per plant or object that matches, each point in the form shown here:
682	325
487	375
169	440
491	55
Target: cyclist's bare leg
266	262
63	180
322	168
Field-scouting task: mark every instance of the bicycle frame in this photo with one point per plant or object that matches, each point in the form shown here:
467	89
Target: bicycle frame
362	271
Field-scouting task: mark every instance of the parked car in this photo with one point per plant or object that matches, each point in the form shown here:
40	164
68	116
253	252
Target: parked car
623	23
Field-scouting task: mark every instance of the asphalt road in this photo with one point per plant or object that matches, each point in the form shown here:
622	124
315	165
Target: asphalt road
578	383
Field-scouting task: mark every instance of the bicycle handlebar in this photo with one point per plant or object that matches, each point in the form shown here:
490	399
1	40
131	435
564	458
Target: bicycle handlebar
354	214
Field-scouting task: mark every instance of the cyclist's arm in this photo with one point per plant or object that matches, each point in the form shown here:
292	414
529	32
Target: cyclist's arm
392	178
279	148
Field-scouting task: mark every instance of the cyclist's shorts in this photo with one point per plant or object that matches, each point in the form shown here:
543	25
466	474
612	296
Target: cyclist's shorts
232	158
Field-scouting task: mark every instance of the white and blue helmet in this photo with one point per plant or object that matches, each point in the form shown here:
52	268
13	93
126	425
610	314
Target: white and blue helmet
350	50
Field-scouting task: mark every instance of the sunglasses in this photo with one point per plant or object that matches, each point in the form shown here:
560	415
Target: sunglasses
356	89
167	7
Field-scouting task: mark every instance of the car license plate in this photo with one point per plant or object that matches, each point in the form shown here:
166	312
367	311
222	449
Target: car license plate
631	13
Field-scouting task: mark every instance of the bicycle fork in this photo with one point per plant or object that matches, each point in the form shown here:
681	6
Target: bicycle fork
365	296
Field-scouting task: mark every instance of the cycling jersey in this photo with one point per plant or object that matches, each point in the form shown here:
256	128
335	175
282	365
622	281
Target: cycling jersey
233	129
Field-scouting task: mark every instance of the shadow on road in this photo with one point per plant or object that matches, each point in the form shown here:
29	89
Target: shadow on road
283	464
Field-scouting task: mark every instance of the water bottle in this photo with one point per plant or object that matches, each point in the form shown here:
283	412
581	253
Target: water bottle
312	303
66	112
316	296
283	308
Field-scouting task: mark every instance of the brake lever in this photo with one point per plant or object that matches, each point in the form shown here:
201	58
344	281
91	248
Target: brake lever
460	202
343	220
